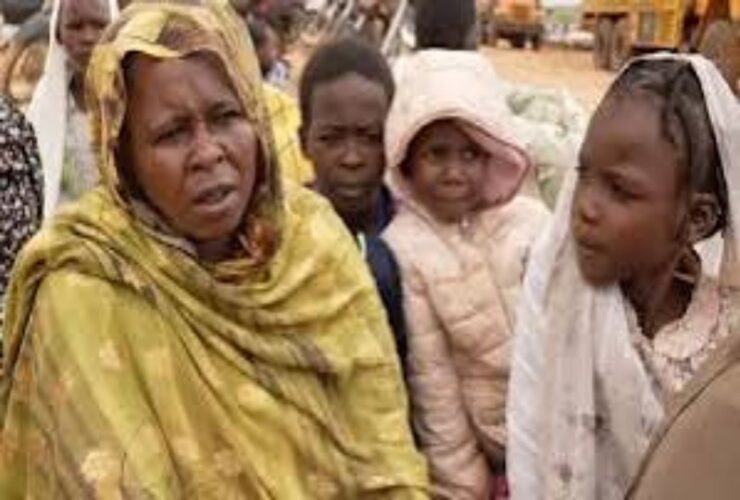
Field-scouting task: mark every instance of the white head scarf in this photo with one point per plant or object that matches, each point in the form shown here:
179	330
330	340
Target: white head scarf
48	109
574	368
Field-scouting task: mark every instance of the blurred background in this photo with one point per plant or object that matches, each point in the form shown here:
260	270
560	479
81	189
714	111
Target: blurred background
565	46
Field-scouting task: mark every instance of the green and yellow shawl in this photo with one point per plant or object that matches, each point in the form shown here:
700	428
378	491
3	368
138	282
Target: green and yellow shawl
134	371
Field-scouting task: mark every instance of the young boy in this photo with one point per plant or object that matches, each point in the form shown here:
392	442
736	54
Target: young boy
345	92
441	24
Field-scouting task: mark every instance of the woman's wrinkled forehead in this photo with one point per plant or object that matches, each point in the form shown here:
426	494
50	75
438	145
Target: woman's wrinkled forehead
170	30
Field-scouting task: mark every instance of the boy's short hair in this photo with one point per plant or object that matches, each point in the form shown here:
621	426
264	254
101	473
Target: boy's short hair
445	24
337	59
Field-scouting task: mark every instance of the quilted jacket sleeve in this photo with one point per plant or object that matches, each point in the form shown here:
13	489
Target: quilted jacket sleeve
458	467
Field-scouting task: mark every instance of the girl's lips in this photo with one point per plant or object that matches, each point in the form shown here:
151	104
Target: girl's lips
589	249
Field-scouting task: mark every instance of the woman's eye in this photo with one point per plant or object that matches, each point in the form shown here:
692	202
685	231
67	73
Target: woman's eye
171	134
227	115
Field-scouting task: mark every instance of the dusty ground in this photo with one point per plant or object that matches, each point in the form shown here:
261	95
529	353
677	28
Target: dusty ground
550	67
553	67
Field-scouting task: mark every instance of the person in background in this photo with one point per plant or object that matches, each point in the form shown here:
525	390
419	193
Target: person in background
443	26
275	70
21	190
285	116
446	25
618	313
193	327
57	109
345	93
461	237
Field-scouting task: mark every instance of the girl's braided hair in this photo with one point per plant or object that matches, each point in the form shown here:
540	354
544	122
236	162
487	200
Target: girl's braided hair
685	122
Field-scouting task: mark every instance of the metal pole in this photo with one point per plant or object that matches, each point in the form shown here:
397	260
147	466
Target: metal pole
394	30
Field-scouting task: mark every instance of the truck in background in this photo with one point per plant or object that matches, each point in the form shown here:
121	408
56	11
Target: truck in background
623	28
518	21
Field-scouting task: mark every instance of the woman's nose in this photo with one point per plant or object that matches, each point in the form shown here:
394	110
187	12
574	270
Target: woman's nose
207	149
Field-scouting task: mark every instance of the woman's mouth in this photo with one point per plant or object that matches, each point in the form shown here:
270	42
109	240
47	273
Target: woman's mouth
213	196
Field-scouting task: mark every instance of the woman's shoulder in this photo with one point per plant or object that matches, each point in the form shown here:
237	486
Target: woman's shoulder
303	205
314	228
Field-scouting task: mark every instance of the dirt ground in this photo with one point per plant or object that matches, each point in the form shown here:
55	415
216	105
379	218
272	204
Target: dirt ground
553	67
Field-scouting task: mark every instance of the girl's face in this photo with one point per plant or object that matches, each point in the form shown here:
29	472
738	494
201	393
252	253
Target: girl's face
630	208
446	171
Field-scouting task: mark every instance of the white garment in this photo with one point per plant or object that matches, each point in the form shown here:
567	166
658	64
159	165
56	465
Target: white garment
581	407
48	110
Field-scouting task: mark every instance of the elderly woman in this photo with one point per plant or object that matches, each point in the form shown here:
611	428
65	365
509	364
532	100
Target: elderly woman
189	329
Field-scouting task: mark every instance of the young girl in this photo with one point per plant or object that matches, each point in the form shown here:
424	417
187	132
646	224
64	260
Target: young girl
460	237
617	316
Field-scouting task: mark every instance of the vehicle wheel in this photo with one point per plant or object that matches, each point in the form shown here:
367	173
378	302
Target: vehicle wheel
537	42
721	44
518	41
620	48
602	41
492	35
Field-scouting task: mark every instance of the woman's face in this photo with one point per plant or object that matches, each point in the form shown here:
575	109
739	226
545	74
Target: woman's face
629	209
446	170
81	23
190	147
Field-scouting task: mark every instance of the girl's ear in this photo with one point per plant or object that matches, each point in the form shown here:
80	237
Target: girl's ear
704	215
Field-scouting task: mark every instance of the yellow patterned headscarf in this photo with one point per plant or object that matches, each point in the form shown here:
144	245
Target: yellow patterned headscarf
132	370
165	30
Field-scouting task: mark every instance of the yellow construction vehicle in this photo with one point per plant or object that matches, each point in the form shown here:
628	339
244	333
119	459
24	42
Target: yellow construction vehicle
518	21
623	28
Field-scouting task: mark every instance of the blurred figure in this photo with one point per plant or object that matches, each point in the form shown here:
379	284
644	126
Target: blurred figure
442	24
21	189
57	109
275	69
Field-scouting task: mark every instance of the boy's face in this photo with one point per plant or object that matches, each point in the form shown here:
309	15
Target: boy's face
344	140
629	205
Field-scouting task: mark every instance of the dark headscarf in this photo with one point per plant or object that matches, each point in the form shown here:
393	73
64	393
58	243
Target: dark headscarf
21	187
